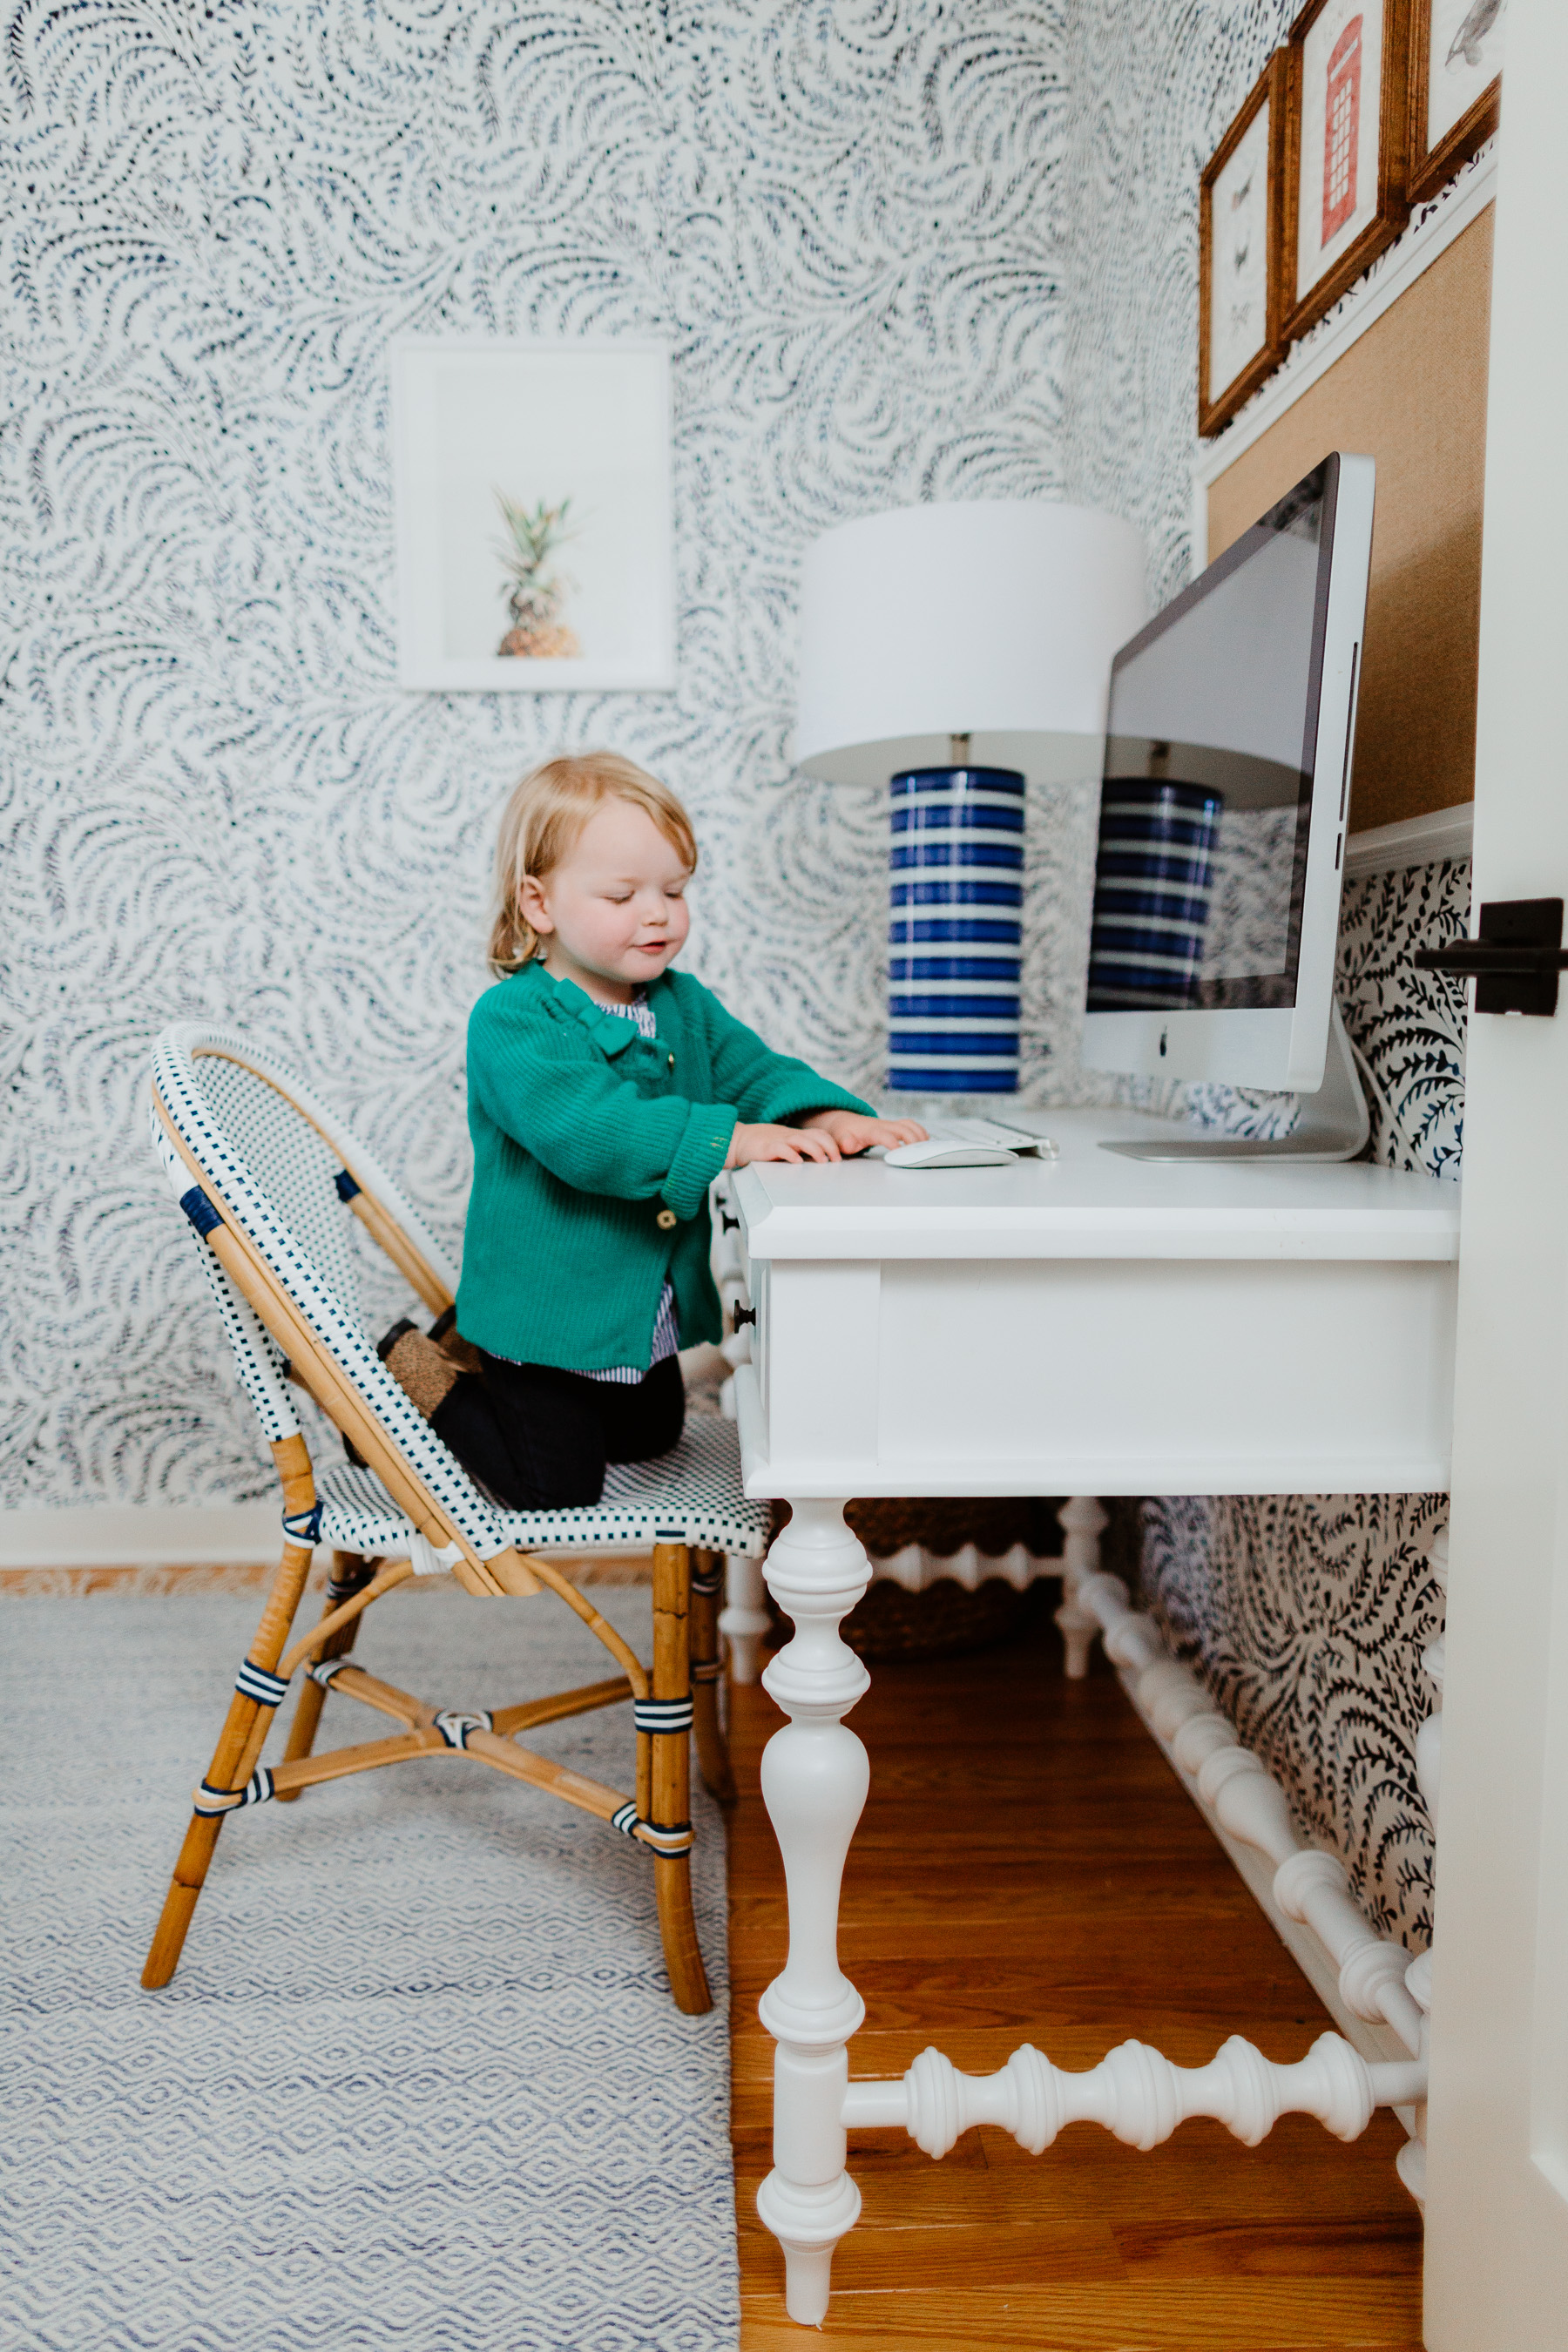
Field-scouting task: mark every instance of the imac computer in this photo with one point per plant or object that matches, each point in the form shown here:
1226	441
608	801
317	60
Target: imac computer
1222	826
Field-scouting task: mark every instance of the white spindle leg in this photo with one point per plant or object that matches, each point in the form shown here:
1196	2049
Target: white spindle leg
814	1777
1083	1522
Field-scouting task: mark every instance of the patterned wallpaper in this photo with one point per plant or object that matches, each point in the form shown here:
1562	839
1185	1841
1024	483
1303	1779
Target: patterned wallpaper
1306	1615
215	800
1155	84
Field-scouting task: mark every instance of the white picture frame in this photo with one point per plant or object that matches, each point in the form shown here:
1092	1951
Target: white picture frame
575	437
1455	86
1465	51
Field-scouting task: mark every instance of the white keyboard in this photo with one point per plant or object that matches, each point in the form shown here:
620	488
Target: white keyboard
971	1143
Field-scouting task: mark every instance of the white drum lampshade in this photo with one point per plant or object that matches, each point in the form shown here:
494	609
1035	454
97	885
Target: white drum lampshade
993	623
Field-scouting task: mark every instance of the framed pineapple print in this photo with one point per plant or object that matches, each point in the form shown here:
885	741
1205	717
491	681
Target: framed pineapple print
1347	132
531	486
1239	213
1455	86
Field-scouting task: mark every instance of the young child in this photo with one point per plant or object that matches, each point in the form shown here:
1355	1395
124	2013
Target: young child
606	1092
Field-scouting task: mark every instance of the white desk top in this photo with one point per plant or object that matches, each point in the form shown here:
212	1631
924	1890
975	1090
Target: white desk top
1090	1203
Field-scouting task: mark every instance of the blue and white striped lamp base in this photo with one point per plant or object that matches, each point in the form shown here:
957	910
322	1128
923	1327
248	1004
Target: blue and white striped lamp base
955	901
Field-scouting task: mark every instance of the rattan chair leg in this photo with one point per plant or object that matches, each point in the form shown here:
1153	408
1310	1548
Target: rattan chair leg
712	1747
678	1932
349	1573
237	1741
672	1805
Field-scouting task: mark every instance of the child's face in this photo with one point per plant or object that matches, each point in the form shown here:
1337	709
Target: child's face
614	910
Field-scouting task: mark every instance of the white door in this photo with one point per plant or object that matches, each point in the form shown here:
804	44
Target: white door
1497	2216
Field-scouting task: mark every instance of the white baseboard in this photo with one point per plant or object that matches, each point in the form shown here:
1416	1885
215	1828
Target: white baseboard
1414	841
163	1539
142	1535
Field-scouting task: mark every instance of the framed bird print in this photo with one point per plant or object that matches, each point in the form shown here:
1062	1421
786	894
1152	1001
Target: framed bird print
1347	137
1239	211
1455	86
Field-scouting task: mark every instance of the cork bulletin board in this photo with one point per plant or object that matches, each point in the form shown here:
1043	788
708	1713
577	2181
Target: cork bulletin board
1412	392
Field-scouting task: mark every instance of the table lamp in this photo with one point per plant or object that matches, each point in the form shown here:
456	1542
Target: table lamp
961	650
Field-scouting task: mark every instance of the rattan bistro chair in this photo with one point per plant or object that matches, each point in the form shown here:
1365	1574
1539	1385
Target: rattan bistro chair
268	1180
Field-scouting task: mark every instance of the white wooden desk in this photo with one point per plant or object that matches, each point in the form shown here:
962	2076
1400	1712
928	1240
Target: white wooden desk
1091	1324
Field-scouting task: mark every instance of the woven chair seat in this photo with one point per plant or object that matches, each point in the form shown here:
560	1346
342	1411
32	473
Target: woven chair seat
692	1495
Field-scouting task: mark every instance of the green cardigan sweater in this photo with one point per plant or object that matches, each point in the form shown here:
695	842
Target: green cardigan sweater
587	1135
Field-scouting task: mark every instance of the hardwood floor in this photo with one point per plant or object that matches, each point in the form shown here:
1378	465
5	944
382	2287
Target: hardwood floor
1028	1869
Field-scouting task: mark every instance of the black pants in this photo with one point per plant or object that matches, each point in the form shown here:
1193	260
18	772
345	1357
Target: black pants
539	1438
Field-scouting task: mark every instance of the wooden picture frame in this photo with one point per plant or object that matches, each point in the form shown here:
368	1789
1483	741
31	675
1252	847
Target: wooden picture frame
1438	46
1247	249
1345	165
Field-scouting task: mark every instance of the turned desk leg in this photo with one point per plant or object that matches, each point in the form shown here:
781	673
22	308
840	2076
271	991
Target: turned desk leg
1083	1522
814	1777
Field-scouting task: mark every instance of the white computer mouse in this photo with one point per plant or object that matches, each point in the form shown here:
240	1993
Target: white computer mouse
937	1153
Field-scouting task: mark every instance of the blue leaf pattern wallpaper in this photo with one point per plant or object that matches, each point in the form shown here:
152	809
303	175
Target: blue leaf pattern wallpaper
217	801
899	251
1307	1615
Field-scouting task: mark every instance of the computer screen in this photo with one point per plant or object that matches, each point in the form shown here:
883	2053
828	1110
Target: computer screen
1209	773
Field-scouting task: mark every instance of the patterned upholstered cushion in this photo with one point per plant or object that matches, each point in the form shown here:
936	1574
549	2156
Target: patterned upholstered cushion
691	1495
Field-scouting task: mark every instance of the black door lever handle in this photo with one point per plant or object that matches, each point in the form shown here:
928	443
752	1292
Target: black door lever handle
1514	961
1469	959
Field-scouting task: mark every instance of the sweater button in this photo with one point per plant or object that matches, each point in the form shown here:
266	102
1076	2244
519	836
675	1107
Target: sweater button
672	1061
665	1219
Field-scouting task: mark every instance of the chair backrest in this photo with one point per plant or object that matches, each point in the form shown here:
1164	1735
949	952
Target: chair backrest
247	1146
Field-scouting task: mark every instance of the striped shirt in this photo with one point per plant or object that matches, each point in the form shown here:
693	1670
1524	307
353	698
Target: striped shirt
666	1331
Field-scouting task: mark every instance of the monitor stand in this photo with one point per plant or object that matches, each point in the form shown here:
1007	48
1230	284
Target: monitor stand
1333	1122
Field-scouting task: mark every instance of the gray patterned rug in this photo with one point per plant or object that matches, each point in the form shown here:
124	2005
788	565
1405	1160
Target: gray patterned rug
417	2085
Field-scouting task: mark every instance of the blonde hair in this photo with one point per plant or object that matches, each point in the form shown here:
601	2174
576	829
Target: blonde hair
547	811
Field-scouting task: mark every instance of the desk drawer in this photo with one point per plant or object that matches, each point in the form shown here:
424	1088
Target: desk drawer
1107	1376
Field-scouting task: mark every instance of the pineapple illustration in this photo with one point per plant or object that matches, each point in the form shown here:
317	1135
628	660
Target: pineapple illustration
534	593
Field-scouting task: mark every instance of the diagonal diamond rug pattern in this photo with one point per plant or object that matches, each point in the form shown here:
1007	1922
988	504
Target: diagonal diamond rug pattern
419	2084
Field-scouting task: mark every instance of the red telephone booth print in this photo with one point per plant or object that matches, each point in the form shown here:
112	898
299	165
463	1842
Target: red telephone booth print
1342	130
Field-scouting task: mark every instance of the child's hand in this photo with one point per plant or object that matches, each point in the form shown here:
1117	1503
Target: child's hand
758	1142
852	1131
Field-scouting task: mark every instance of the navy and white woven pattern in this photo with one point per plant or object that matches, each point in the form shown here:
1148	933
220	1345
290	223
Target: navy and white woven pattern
691	1495
457	2110
287	1151
955	930
257	1356
666	1331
